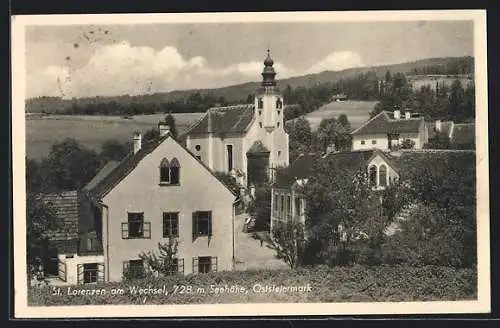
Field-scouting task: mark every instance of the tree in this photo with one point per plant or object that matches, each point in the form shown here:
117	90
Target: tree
151	135
114	150
41	219
440	141
260	208
408	144
170	121
69	166
300	135
289	242
342	199
332	132
165	262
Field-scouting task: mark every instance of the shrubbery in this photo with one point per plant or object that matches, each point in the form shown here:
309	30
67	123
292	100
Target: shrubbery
339	284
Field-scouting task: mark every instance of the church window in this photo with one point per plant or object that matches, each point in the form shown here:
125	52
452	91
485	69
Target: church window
260	112
229	157
278	124
279	103
260	103
279	112
169	172
197	147
260	124
279	152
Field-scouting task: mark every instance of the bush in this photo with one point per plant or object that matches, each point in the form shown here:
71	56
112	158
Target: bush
408	144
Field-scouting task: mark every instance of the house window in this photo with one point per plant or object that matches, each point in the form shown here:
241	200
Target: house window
197	147
133	269
374	142
298	207
275	203
205	264
175	267
288	206
382	171
229	149
202	224
170	224
90	273
362	142
282	205
169	172
260	103
372	173
135	227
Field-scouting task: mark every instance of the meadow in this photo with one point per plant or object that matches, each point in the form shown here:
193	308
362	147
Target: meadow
357	112
43	131
383	283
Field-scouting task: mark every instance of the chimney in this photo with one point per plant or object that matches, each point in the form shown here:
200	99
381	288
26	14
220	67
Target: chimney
137	141
164	129
407	114
438	125
397	114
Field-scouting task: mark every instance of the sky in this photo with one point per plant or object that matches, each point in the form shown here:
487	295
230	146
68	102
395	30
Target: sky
106	60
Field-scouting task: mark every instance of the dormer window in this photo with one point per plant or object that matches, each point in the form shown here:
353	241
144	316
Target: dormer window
169	172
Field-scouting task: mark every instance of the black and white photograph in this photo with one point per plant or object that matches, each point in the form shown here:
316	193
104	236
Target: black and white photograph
250	164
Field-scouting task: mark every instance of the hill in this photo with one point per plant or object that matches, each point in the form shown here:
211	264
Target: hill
240	92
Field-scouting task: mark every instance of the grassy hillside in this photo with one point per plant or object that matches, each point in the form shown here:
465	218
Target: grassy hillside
240	91
91	131
357	112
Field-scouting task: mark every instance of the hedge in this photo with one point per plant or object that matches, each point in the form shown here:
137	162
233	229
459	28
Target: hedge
338	284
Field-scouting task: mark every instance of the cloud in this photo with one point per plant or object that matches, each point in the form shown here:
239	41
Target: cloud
119	69
337	61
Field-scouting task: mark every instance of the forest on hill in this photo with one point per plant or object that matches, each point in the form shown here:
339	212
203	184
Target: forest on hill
305	91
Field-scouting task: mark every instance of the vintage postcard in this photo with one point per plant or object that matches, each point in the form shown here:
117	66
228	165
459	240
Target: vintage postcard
250	164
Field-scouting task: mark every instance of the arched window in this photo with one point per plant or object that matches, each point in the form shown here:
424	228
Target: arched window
164	171
382	176
174	171
372	173
169	171
279	103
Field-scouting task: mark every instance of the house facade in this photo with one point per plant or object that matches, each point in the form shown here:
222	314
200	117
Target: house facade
159	192
248	140
389	130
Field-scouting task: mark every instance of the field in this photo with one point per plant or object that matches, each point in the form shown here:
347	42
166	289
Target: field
319	284
43	131
357	112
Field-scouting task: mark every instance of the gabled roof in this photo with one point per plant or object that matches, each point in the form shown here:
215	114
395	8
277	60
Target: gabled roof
228	119
65	207
384	123
301	168
257	148
351	160
108	181
464	133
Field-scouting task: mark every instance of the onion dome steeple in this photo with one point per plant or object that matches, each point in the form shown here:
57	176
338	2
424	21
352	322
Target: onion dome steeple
268	73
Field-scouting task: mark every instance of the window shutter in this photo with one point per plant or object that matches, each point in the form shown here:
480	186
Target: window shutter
214	264
125	230
126	266
79	270
195	225
180	266
195	265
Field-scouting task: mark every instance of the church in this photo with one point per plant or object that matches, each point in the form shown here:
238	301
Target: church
247	141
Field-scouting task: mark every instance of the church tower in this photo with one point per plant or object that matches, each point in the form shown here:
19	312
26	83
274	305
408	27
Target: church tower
268	99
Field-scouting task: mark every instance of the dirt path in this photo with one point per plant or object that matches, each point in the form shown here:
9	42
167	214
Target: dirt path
249	252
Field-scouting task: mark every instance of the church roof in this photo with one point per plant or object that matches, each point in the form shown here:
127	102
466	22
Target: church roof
258	148
384	122
228	119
